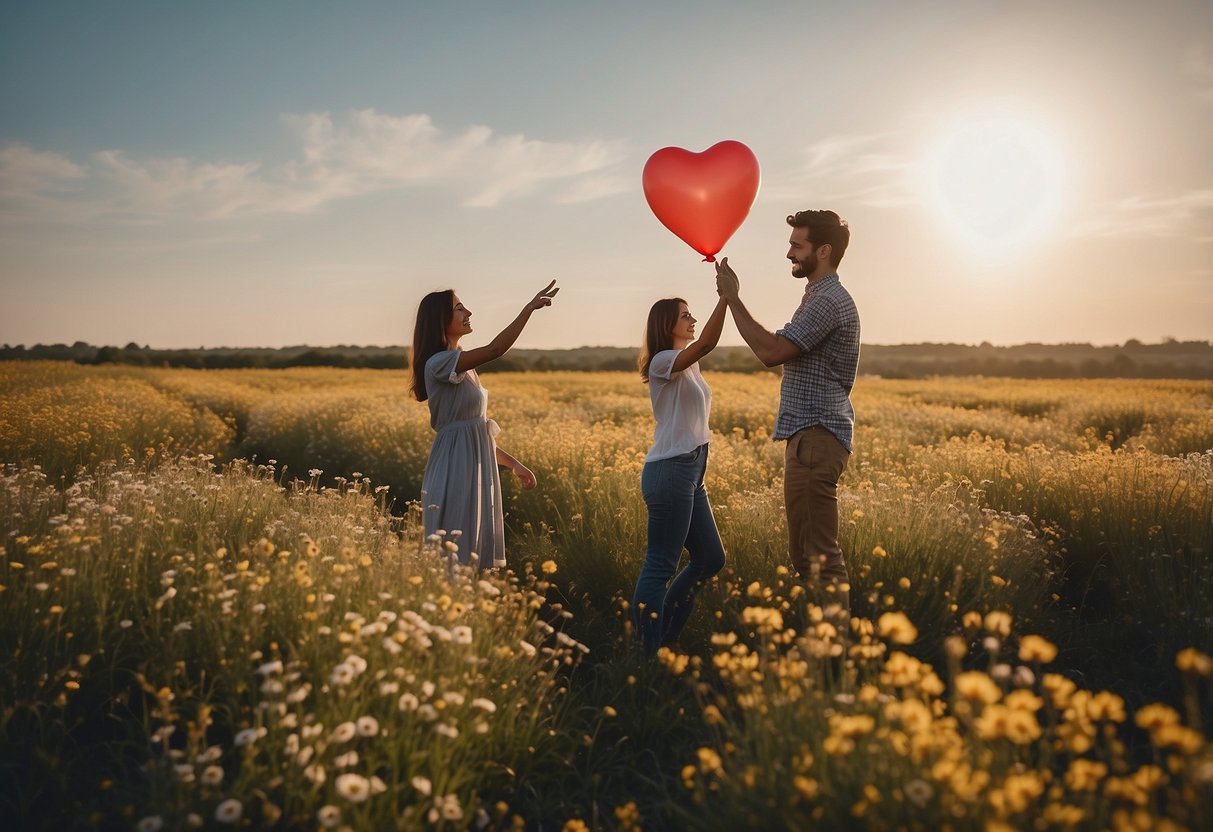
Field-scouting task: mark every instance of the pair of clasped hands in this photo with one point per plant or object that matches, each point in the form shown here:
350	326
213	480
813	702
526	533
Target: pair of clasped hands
727	284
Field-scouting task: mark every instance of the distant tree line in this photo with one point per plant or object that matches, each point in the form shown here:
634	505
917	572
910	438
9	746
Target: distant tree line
1133	359
214	358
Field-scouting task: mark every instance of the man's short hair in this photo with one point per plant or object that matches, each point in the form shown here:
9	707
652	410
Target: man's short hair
825	227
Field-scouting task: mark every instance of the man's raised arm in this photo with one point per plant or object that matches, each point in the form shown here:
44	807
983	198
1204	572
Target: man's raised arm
770	348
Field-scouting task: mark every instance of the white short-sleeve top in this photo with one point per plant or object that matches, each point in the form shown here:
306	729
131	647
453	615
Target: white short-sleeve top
681	404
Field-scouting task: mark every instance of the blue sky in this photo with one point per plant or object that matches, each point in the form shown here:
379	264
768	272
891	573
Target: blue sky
275	173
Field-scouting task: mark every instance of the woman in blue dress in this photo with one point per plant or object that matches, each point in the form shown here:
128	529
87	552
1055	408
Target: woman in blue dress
680	516
461	491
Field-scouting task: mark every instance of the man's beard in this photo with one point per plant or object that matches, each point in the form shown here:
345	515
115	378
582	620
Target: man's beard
804	268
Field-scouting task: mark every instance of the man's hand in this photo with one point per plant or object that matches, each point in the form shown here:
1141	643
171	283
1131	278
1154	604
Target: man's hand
727	284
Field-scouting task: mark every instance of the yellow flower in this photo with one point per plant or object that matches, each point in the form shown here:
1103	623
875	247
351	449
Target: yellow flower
1017	793
1024	700
1061	814
676	662
763	617
709	761
628	815
549	567
1180	737
806	787
1195	662
1060	689
879	552
897	628
852	726
912	713
1036	649
1022	727
1085	775
977	686
998	623
1149	778
1156	716
1106	706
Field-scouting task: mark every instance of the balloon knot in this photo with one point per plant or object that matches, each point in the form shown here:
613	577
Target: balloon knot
709	259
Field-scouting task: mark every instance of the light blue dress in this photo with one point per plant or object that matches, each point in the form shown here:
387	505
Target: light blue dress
461	490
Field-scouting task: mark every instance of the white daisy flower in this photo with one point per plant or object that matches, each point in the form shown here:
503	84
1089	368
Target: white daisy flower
328	816
229	811
353	787
344	732
249	736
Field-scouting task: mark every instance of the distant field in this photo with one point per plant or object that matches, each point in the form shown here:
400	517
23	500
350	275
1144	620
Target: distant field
193	637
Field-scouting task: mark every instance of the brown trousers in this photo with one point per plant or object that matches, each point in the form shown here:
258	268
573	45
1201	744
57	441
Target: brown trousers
813	461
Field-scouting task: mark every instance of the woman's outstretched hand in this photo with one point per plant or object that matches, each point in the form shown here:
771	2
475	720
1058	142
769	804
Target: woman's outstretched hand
544	298
526	475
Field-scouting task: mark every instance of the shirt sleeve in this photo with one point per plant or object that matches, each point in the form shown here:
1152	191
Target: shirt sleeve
814	320
662	365
441	367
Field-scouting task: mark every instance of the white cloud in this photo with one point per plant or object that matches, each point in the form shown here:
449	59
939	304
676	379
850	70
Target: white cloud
589	188
365	153
23	169
35	180
859	168
1186	215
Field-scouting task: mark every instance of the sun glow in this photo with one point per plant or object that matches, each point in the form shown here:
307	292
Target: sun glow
996	181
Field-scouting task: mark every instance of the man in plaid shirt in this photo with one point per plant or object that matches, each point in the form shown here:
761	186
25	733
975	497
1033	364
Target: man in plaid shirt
819	351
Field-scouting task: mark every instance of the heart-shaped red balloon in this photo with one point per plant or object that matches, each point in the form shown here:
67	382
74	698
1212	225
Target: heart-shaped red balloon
702	197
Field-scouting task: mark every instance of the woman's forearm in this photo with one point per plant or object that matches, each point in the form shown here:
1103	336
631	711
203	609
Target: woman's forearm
710	336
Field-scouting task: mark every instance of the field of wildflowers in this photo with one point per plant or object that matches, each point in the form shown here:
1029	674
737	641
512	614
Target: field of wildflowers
217	610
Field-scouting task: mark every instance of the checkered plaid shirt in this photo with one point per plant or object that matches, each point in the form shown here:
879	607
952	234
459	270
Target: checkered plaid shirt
816	388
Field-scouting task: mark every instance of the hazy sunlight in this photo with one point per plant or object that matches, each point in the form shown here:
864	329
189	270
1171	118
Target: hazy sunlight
996	181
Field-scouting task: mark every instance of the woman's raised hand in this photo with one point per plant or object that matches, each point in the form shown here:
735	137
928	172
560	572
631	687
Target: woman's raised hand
544	298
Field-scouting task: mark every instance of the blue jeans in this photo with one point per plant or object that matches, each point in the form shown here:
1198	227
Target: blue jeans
679	516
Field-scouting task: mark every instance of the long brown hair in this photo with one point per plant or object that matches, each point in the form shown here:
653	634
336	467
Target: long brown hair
659	332
434	315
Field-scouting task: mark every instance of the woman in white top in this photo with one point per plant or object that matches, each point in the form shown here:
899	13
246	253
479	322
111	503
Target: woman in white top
672	481
461	491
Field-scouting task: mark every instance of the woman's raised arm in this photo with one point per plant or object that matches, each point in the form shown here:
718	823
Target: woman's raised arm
471	359
707	340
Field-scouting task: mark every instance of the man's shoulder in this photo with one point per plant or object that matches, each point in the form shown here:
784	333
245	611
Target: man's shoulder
829	296
836	295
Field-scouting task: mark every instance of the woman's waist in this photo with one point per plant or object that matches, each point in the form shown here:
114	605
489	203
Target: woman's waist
472	422
685	452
